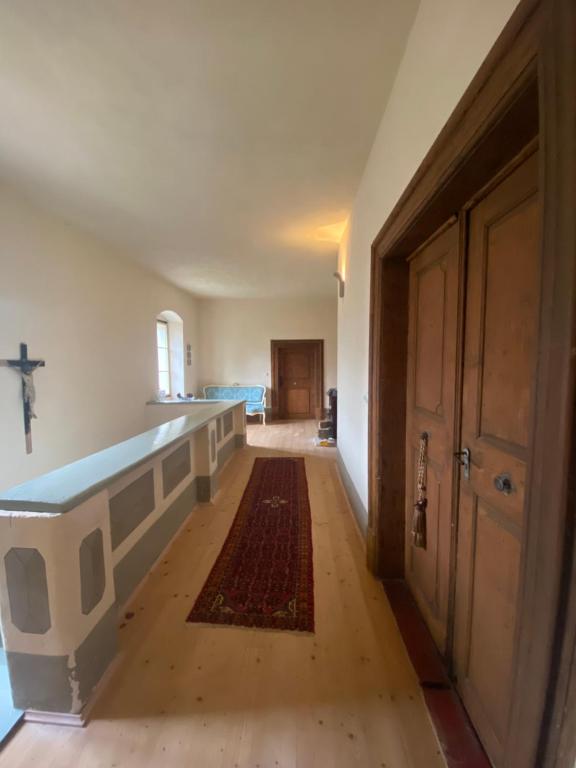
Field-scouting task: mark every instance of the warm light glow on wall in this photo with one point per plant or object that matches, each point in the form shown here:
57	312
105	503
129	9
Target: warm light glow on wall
343	252
316	235
332	233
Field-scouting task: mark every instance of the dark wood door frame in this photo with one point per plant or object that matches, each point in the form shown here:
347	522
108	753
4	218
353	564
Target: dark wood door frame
318	345
523	92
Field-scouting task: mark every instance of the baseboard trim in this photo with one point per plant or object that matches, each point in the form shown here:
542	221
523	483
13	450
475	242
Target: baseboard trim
54	718
357	508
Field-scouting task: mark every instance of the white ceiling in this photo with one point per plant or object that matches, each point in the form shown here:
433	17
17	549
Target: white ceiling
215	138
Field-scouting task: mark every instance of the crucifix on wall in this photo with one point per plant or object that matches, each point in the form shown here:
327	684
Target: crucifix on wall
26	368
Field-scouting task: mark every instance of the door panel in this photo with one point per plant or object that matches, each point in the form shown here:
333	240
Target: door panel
297	402
297	364
494	590
432	336
509	329
502	305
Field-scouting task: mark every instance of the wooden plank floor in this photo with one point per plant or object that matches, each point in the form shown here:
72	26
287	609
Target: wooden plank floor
207	697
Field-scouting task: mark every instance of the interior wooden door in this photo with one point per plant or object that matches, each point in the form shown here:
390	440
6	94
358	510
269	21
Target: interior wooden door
298	384
502	309
431	390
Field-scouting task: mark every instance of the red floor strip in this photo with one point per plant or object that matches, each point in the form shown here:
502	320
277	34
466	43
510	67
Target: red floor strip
461	746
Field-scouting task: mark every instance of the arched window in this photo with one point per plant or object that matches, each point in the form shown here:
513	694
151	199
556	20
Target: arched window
170	349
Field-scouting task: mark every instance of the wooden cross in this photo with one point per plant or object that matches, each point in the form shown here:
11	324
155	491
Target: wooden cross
26	368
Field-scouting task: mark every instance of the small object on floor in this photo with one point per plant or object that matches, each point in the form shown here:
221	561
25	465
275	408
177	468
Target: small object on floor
325	442
263	576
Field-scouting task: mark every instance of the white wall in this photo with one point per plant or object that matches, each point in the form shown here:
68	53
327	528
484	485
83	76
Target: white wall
446	46
90	313
236	334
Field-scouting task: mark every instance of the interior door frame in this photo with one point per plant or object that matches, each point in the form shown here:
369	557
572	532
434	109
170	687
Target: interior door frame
523	91
318	346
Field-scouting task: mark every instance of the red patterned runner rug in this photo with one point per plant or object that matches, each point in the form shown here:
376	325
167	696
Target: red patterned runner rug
263	576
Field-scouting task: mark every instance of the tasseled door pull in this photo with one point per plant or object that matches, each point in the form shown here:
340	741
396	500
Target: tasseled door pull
419	516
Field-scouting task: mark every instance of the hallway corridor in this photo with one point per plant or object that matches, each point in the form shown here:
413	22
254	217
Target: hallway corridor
207	697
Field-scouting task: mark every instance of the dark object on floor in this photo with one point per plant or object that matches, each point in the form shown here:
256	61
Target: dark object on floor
328	428
263	576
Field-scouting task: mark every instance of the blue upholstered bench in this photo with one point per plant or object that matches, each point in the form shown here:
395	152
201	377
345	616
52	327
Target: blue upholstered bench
255	396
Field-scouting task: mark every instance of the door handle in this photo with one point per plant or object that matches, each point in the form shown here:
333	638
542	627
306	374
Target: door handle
463	458
503	483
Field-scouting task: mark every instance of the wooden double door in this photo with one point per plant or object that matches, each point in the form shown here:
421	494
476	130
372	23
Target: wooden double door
474	297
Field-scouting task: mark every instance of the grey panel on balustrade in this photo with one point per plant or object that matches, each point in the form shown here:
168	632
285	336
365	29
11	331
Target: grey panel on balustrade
27	590
225	452
131	506
92	571
212	446
175	468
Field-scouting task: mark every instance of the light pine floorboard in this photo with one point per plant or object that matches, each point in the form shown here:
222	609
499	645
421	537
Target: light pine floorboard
221	697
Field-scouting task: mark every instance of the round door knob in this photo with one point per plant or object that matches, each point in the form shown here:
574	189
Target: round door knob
503	483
